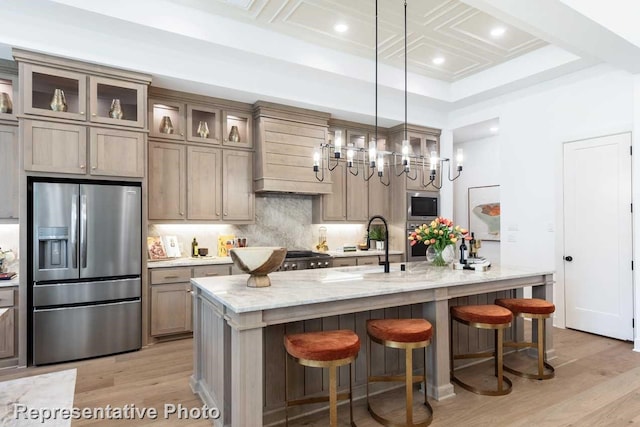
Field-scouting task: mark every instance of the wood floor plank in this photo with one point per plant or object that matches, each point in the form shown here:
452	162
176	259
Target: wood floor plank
597	383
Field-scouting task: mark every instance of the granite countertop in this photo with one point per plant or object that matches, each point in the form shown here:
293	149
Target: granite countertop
189	262
302	287
370	252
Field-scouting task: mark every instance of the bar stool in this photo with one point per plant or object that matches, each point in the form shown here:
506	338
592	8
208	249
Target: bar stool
531	308
482	317
326	349
405	334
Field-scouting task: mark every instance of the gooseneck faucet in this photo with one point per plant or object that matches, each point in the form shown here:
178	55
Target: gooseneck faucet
386	239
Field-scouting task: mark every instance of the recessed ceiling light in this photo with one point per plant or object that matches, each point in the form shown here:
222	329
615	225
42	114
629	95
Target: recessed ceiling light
438	60
341	28
494	128
498	31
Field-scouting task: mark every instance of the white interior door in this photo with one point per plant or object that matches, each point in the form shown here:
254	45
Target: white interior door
597	239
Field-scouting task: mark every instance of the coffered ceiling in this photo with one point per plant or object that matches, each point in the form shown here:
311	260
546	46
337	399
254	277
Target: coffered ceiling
436	28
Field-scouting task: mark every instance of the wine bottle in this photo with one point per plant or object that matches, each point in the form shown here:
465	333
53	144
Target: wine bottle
463	252
194	248
472	246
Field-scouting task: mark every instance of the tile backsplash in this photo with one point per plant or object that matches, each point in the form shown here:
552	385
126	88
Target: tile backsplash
281	220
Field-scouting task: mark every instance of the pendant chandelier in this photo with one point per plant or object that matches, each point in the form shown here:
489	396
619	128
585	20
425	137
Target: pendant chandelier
366	162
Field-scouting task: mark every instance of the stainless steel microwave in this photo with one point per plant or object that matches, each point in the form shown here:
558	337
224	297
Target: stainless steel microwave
423	205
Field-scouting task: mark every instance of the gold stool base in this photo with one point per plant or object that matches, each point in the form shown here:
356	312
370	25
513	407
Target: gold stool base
545	370
504	385
408	378
333	396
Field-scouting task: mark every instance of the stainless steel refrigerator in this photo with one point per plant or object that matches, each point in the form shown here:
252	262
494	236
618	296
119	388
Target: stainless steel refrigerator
86	267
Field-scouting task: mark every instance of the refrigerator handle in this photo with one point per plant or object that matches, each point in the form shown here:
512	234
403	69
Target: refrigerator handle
74	231
83	231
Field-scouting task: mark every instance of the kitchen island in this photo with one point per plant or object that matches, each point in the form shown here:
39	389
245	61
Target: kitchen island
233	355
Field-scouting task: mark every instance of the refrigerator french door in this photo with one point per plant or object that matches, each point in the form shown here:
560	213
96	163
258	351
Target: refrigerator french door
86	258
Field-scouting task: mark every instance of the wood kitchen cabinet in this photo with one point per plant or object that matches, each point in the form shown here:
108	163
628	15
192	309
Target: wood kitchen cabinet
9	327
82	138
171	306
54	147
204	183
200	183
186	112
238	199
167	181
171	299
9	171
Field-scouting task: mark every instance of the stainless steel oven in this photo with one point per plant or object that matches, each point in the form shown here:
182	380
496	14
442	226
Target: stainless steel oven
418	251
423	206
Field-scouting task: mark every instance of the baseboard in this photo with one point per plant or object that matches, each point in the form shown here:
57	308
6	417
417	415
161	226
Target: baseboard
636	345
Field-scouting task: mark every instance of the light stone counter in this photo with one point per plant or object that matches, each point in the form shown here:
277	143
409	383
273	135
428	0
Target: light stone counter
230	319
3	311
342	254
189	262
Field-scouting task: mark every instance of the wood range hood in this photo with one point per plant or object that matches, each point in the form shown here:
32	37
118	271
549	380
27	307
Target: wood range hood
285	138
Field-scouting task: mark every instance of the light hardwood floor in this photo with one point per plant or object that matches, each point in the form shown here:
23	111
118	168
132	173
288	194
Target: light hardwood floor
597	383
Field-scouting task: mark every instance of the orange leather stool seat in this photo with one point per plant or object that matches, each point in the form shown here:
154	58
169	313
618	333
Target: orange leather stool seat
323	346
325	349
491	317
527	305
489	314
407	335
539	311
400	330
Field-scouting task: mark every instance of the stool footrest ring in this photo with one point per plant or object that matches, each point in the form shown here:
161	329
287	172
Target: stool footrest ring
395	378
549	372
484	392
391	423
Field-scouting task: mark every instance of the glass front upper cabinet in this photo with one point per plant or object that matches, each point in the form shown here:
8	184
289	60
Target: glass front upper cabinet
203	124
116	102
236	129
167	119
54	93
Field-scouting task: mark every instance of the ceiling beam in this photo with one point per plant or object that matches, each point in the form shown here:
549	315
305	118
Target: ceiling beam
563	26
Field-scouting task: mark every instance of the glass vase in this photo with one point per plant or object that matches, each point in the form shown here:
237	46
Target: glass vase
440	257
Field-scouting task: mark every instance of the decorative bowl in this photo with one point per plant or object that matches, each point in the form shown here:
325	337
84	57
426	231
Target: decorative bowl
203	251
258	262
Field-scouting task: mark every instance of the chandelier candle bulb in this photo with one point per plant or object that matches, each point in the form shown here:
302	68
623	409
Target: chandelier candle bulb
380	165
433	160
350	155
337	144
459	158
316	160
372	153
405	152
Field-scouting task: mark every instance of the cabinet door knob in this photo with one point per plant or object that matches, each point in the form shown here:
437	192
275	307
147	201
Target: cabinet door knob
218	213
181	133
93	115
82	113
94	168
224	140
226	213
82	166
181	213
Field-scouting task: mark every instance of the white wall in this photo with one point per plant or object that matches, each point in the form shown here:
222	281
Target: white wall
533	127
482	168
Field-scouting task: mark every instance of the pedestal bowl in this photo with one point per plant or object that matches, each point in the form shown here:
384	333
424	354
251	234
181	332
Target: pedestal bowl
258	262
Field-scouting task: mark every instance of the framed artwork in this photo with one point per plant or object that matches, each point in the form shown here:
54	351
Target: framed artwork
484	212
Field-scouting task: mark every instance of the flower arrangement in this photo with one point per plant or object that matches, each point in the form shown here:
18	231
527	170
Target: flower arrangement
439	234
